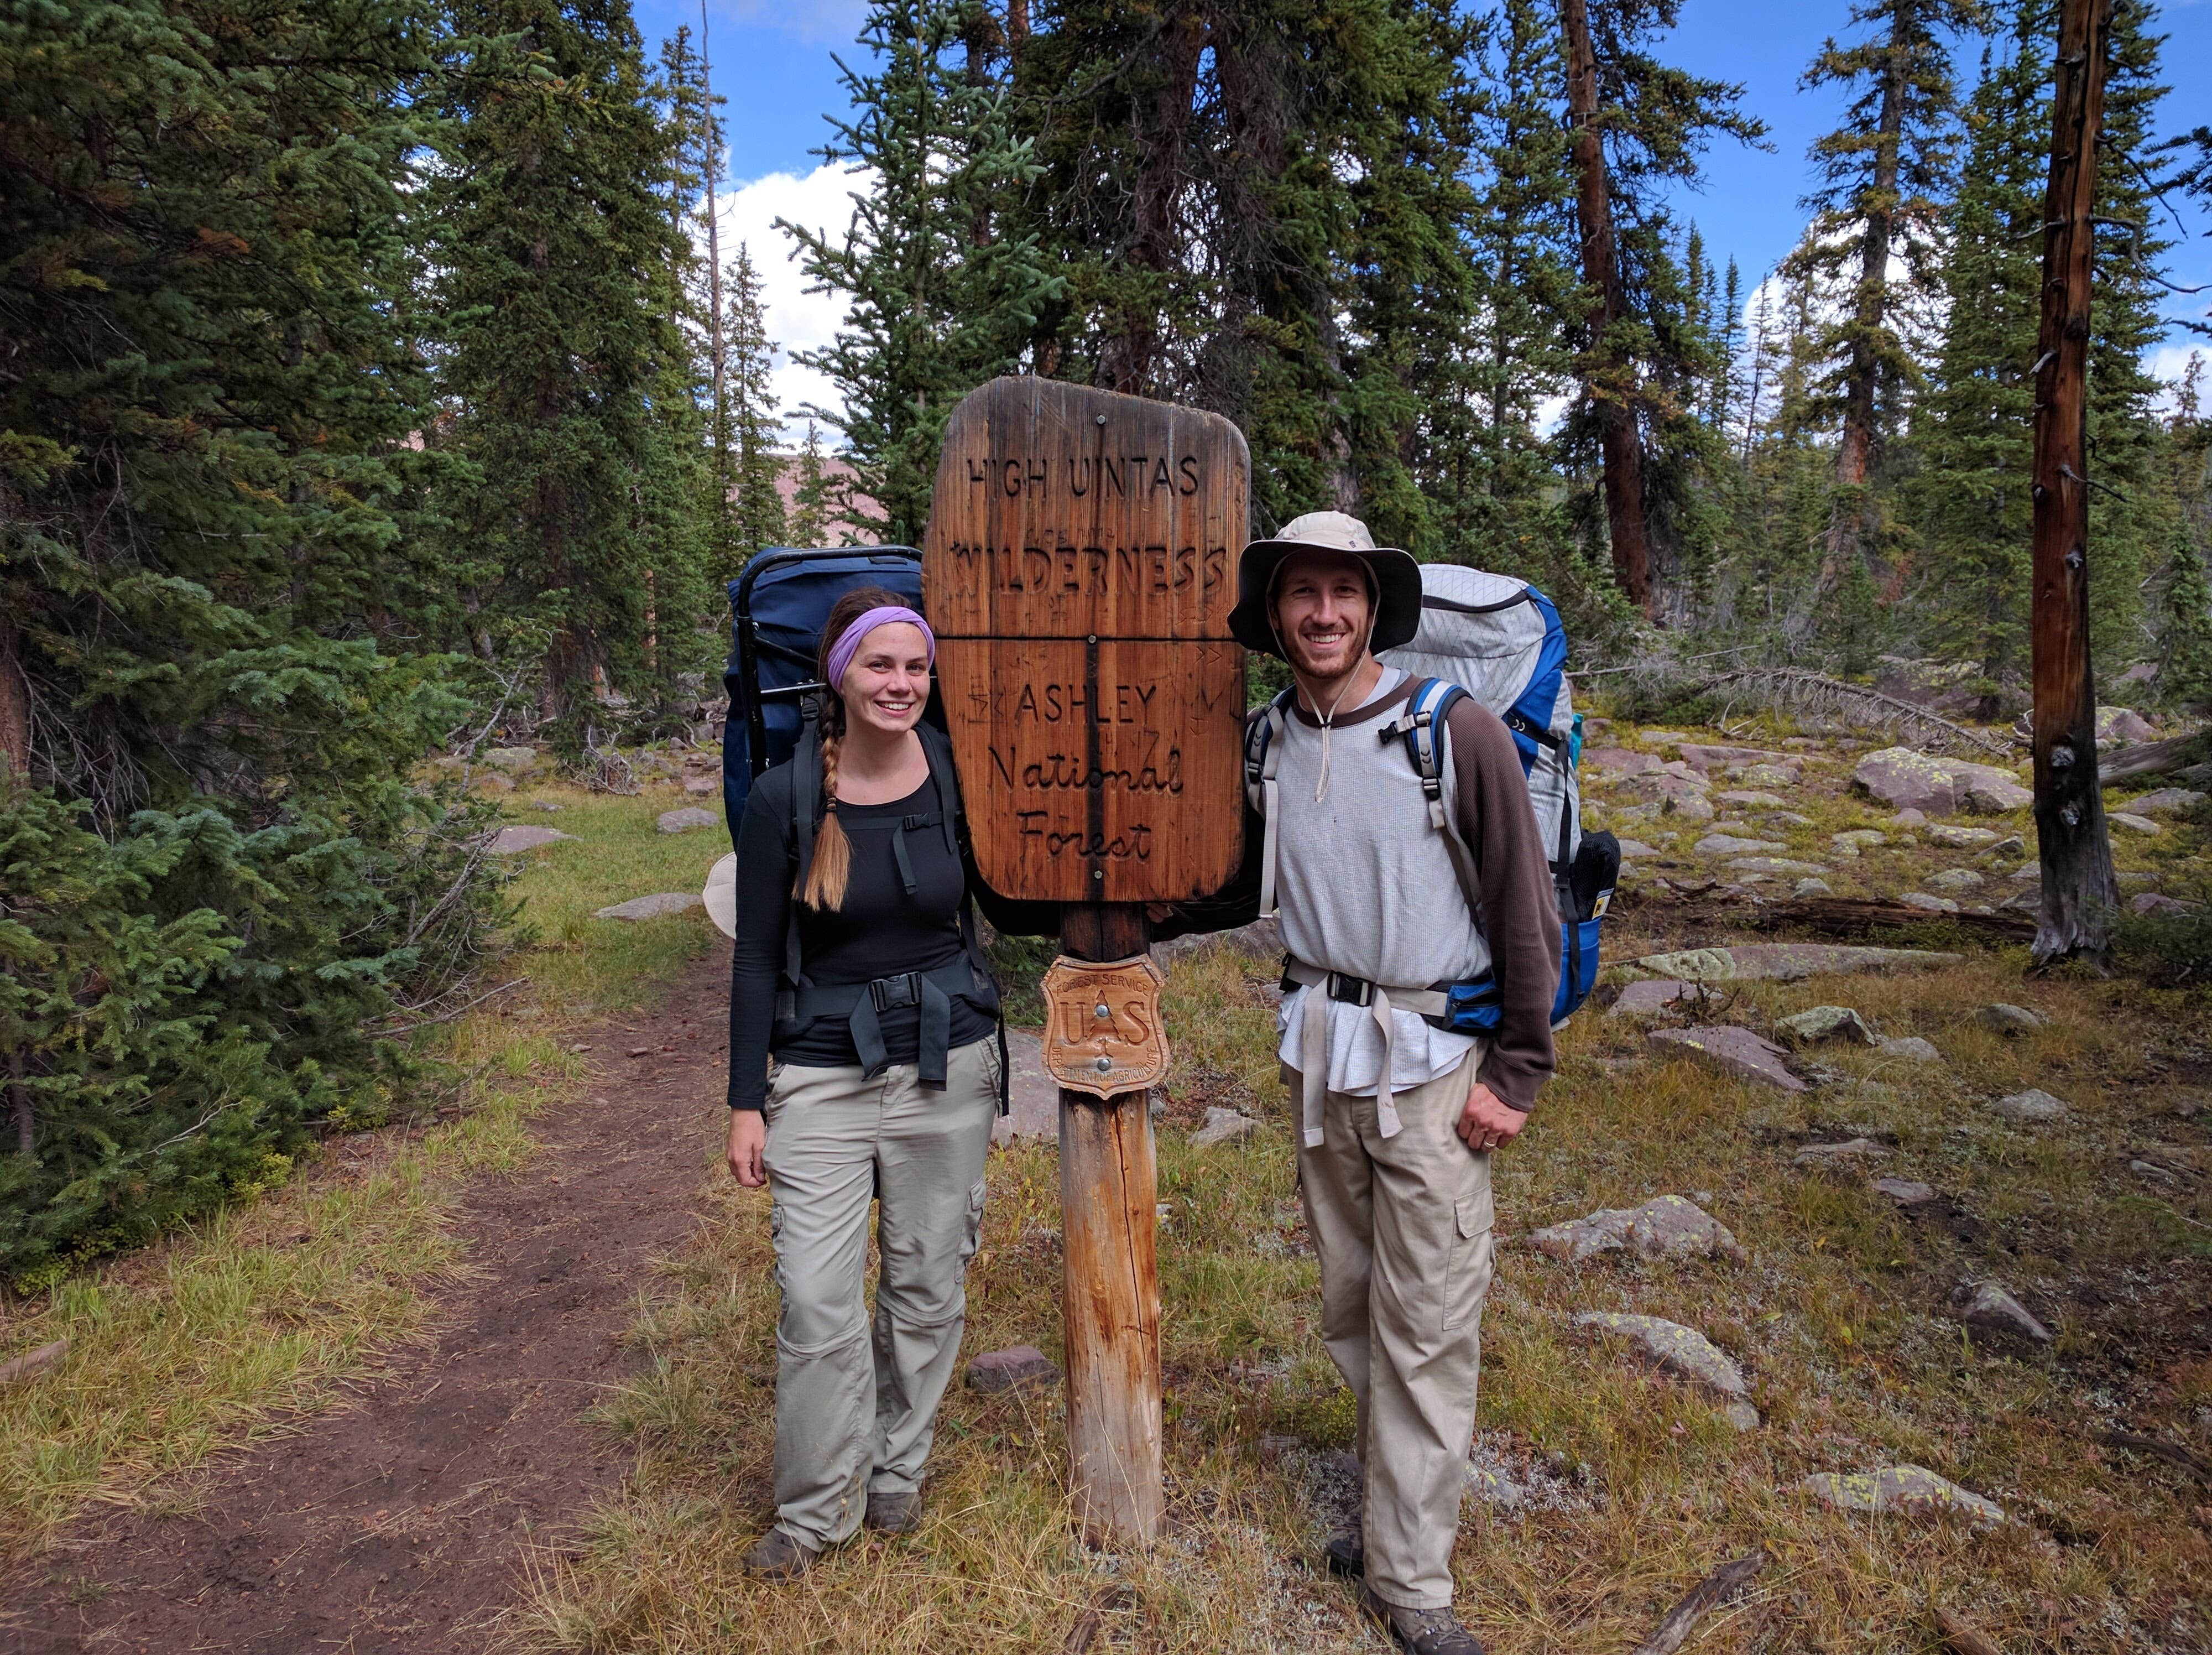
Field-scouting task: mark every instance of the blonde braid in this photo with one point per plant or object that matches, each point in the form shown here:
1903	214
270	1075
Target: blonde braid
833	851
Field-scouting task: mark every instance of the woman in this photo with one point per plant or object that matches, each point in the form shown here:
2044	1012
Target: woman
856	973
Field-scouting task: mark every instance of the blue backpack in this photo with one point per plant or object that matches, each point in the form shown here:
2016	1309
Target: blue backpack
1500	640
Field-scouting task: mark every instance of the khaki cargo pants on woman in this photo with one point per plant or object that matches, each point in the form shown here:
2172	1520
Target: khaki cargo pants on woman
850	1418
1402	1228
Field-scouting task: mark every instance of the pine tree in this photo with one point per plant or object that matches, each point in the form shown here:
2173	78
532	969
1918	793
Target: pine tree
754	423
1639	125
560	254
942	296
1885	175
217	878
812	504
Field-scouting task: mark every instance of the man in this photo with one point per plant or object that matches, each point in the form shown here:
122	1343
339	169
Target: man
1400	1116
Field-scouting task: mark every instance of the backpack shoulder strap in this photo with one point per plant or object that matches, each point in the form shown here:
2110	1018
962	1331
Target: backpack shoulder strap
1263	755
1424	729
805	823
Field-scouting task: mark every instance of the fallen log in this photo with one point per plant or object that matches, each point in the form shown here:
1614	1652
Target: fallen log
2150	758
1834	917
1716	1588
2172	1453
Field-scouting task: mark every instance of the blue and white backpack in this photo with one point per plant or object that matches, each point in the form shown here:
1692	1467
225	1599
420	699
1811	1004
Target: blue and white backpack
1498	640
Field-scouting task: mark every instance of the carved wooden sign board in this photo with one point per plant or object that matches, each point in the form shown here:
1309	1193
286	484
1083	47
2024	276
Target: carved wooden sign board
1103	1032
1079	567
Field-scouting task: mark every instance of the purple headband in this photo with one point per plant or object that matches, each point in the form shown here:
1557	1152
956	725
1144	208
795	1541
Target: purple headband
848	641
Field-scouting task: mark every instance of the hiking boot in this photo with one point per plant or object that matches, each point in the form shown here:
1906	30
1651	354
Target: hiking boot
1421	1631
780	1556
1347	1553
893	1513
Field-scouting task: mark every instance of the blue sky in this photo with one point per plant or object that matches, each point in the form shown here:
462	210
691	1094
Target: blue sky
772	63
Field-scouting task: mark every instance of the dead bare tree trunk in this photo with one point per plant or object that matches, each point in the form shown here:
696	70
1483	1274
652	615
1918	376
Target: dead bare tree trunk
716	346
15	703
2078	892
1610	383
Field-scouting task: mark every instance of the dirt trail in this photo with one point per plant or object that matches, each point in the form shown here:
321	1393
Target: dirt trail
396	1524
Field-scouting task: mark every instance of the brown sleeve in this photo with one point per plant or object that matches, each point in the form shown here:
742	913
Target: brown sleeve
1520	914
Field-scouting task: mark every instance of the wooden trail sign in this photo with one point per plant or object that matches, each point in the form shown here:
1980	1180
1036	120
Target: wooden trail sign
1080	564
1079	570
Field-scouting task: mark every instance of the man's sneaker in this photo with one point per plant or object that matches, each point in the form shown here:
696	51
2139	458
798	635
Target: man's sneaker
892	1513
780	1556
1421	1631
1347	1553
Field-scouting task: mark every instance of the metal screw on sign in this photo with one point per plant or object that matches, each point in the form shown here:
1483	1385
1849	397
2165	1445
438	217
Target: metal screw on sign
1102	1011
1105	1066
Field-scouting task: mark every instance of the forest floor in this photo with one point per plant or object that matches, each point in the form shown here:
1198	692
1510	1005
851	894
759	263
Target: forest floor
609	1507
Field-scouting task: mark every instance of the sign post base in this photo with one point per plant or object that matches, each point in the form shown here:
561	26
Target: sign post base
1110	1297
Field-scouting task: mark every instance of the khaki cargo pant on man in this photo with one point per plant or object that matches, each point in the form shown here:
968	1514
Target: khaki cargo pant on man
853	1415
1402	1228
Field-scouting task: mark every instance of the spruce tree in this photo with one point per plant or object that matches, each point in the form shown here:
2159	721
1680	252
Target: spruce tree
569	384
755	505
1884	178
811	505
215	879
942	295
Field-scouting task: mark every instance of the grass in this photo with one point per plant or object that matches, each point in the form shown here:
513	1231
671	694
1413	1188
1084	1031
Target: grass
1839	1317
241	1326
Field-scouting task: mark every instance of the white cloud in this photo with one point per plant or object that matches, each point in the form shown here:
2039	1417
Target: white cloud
797	319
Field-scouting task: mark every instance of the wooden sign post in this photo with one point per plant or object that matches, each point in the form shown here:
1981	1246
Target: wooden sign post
1079	567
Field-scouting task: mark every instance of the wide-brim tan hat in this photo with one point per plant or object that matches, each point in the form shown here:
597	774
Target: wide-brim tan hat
1396	580
721	895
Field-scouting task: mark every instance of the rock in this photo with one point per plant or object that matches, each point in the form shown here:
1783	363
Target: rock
1823	1023
2008	1019
510	840
1644	999
1732	1051
1853	841
2165	799
1955	879
1700	756
651	907
1673	1348
1850	1152
2031	874
515	761
1940	787
2031	1108
2133	823
2011	845
1787	818
2150	902
1812	888
1774	865
1619	761
1911	1048
1767	775
1032	1095
1908	780
17	1369
1908	818
1494	1488
1017	1365
1929	904
1631	848
1993	1309
1690	806
1223	1126
1907	1193
1742	1415
1751	800
1665	1227
1993	793
1723	844
545	804
1660	786
2118	726
1903	1491
702	785
684	820
1786	962
1962	838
